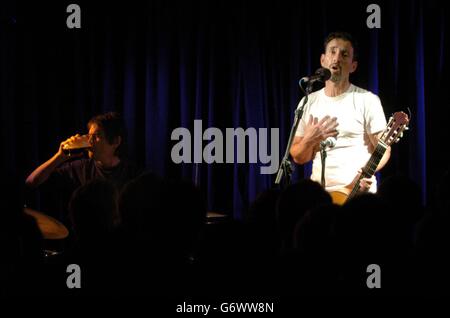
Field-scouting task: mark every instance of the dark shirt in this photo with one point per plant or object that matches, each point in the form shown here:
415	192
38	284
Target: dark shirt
79	172
73	174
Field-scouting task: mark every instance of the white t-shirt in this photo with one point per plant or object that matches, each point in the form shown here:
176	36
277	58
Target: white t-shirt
359	113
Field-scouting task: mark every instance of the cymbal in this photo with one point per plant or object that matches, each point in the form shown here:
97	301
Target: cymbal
212	214
215	217
51	228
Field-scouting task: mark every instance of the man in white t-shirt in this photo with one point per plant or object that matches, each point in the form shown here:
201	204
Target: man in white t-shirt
342	110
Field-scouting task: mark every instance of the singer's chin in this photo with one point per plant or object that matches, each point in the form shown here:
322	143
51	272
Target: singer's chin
336	77
90	154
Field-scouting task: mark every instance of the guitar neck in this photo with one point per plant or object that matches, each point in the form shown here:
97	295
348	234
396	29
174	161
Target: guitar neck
369	169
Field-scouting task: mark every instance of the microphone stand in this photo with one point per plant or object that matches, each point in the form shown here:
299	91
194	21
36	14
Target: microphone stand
323	157
285	168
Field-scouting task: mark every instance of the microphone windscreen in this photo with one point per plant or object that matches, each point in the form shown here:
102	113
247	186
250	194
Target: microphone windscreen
324	73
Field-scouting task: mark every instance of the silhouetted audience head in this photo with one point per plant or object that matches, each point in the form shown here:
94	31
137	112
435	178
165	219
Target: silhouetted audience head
141	204
366	226
263	209
161	222
404	196
18	231
315	247
21	242
369	232
293	203
433	243
167	214
315	232
93	211
186	213
261	223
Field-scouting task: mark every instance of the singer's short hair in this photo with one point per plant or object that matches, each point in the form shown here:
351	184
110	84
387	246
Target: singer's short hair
344	36
112	125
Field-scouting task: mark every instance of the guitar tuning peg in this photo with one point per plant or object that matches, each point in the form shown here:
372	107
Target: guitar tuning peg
406	128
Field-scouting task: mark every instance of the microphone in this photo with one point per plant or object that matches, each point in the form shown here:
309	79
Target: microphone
330	142
321	75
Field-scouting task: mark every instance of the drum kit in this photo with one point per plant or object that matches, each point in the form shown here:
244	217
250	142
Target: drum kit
52	230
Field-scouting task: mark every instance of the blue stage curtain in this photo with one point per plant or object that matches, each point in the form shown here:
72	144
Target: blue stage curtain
231	64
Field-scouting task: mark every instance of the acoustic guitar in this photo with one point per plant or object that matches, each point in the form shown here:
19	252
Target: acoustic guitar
392	134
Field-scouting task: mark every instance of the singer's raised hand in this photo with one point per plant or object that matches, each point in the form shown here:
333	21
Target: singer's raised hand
318	130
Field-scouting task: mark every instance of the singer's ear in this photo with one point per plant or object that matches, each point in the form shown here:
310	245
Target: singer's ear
322	60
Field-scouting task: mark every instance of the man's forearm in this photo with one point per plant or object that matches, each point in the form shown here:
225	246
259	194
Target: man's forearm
41	173
302	151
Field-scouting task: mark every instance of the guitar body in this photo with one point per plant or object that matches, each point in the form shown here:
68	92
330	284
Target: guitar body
340	196
392	134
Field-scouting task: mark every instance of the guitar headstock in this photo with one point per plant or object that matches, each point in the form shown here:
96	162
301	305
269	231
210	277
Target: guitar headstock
394	130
